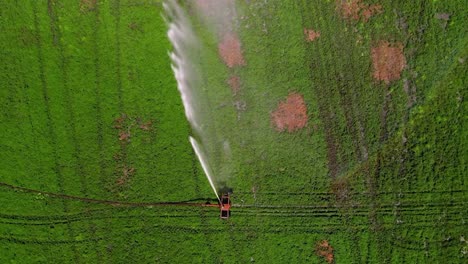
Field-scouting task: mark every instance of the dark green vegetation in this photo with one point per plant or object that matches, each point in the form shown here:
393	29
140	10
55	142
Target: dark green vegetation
379	172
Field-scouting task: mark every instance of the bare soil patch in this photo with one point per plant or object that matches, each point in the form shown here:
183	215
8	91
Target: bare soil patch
444	18
325	250
370	11
127	128
87	5
27	37
127	173
146	126
230	50
357	10
388	61
235	84
341	188
311	34
135	26
290	115
126	125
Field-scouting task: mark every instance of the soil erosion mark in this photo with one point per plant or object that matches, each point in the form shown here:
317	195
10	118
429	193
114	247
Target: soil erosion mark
290	115
230	50
325	250
235	84
357	10
388	61
311	34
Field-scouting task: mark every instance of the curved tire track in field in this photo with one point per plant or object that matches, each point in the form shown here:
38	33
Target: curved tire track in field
325	113
99	119
50	123
77	155
331	139
324	210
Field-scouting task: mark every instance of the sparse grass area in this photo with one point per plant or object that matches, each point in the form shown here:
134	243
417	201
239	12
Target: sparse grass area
91	109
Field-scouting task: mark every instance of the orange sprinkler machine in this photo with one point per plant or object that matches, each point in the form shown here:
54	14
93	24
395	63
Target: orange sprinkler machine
225	206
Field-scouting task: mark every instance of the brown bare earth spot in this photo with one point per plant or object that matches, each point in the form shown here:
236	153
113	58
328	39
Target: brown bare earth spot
370	11
27	36
230	50
234	83
350	9
311	34
388	61
146	126
444	18
118	123
325	250
87	5
342	190
135	26
291	114
356	9
127	173
124	136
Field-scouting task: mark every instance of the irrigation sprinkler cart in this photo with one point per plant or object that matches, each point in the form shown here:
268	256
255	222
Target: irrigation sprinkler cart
225	206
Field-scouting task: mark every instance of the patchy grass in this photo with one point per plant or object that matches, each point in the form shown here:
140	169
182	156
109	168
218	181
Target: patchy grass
93	127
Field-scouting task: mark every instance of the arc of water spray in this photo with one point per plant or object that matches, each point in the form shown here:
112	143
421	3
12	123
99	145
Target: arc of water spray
204	164
183	40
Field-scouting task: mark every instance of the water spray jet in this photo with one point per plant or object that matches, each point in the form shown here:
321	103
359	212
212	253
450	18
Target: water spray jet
184	55
204	164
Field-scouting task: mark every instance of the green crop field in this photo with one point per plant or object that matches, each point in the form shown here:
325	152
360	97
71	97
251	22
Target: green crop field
94	135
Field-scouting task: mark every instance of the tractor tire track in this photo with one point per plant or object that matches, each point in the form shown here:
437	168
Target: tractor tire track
115	10
99	120
279	228
325	113
77	155
12	239
373	173
346	105
98	95
319	214
50	122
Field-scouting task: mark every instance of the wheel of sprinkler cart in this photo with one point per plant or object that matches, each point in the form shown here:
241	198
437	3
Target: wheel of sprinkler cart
225	206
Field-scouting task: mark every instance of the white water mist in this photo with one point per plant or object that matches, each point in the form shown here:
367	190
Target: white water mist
204	163
185	57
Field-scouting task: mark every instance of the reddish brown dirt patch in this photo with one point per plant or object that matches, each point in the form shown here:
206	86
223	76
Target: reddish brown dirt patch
388	61
124	136
125	124
118	122
127	173
87	5
342	190
230	50
135	26
350	9
146	126
311	34
235	84
121	125
291	114
128	127
370	11
325	250
356	9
